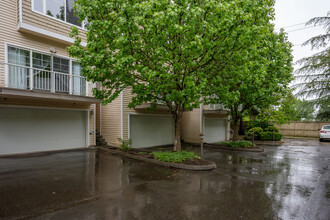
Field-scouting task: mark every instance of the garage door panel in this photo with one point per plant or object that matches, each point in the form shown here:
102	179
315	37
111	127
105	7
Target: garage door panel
151	130
30	130
215	130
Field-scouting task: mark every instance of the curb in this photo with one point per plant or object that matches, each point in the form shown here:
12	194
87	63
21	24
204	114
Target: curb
270	143
161	163
219	147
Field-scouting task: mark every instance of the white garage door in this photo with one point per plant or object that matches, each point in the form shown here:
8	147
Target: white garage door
25	130
215	130
151	130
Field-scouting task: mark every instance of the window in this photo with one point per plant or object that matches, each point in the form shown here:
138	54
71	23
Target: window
55	8
78	82
38	6
60	9
70	15
61	65
41	64
50	73
19	74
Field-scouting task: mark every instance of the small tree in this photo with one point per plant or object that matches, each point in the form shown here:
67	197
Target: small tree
259	81
165	50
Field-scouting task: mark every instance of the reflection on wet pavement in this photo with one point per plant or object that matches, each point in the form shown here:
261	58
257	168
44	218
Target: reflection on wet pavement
285	182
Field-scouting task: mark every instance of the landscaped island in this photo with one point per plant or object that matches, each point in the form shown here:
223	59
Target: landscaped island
181	159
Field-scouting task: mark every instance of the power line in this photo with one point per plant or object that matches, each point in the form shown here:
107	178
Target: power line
304	28
292	25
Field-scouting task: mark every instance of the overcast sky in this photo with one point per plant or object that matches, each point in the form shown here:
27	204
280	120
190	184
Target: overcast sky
292	12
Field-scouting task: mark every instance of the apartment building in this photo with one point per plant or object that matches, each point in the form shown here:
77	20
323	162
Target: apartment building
156	128
45	104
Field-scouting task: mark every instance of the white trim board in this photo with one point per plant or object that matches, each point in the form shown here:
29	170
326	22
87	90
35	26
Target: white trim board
6	67
49	34
122	115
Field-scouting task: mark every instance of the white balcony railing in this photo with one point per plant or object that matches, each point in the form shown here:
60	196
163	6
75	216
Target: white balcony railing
215	107
22	77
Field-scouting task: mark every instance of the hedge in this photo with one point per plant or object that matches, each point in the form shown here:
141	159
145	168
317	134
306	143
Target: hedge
271	128
268	136
235	144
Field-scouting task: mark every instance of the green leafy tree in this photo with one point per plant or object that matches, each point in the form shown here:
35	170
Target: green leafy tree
258	84
304	109
281	111
165	50
323	113
313	77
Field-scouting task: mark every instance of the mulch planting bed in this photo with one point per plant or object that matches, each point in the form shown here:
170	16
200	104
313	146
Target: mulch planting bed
144	155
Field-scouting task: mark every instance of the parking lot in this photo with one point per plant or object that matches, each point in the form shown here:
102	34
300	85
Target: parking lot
291	181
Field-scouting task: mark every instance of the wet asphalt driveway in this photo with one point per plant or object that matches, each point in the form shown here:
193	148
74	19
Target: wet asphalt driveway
286	182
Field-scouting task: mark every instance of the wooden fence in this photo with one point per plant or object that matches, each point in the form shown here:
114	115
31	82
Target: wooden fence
302	129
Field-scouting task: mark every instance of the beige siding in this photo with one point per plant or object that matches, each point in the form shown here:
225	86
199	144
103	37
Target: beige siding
9	35
92	128
127	96
98	116
191	126
190	130
46	22
111	122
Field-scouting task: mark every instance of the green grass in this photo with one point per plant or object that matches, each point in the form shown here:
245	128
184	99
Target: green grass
237	144
174	157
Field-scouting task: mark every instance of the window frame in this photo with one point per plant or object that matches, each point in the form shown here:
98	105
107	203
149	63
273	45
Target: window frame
83	23
31	51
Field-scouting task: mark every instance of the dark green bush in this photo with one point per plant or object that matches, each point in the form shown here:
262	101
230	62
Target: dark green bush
268	136
262	124
271	128
174	157
237	144
257	131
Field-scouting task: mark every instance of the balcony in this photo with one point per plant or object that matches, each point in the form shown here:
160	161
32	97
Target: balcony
214	109
28	82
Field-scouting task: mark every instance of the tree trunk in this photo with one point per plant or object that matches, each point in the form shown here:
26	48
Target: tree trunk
241	126
177	137
236	128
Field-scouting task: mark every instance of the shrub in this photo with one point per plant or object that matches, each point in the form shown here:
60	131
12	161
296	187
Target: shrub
271	128
237	144
262	124
125	144
257	131
268	136
174	157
